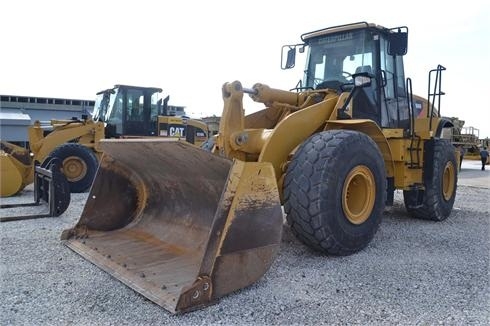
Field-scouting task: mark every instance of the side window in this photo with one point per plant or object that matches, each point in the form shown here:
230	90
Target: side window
388	66
155	108
400	81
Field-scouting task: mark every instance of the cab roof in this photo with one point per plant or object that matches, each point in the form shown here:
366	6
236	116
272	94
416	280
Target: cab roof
340	28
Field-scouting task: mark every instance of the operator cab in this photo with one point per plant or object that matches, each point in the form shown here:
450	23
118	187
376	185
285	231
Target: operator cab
129	110
335	55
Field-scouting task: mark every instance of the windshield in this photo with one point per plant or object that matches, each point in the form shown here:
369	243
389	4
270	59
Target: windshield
108	108
334	58
101	105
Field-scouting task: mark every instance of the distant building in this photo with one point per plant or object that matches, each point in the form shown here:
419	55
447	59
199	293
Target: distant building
18	112
213	124
176	110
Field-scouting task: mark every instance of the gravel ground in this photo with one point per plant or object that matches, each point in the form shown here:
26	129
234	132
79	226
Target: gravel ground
413	272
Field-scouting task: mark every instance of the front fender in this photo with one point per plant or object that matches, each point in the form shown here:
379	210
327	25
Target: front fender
372	130
293	130
64	135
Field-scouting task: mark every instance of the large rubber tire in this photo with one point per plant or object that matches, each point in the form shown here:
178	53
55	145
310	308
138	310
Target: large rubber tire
79	165
440	187
335	191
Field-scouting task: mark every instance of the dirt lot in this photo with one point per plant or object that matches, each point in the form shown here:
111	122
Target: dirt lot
413	272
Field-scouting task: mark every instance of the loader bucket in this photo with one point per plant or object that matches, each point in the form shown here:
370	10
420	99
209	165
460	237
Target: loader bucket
16	169
177	224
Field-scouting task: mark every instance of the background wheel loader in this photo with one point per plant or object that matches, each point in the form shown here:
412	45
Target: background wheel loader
187	226
119	112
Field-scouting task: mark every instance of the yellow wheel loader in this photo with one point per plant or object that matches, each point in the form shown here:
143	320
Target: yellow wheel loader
74	142
119	112
184	226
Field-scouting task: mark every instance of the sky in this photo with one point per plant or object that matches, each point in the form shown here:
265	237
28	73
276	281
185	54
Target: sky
189	48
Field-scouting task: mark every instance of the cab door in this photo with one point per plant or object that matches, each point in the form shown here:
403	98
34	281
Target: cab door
394	102
134	119
138	117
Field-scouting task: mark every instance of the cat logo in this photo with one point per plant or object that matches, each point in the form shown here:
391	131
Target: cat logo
177	131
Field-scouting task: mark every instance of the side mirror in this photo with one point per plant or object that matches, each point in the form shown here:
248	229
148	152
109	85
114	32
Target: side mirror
398	41
290	57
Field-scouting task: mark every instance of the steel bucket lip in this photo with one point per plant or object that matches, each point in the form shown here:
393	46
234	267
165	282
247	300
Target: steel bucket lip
118	273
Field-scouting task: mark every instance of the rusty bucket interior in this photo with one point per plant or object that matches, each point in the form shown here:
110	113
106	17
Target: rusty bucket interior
177	224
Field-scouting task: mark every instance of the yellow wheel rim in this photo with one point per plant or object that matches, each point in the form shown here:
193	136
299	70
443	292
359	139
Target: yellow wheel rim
74	168
358	194
448	181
